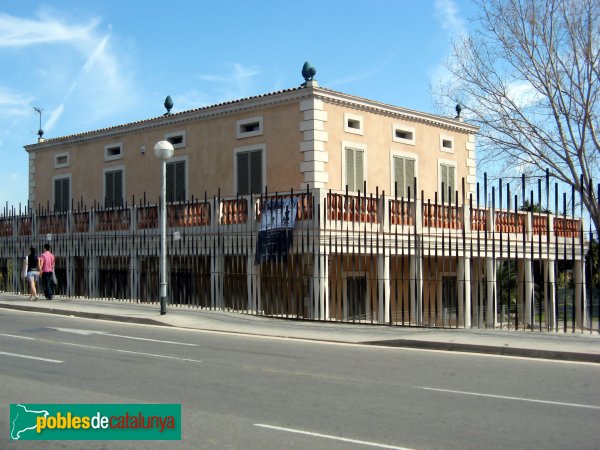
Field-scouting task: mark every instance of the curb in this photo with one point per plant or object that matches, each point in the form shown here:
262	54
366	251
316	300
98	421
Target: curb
489	350
86	315
400	343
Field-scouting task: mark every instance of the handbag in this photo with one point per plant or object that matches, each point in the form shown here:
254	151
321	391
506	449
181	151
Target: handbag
54	279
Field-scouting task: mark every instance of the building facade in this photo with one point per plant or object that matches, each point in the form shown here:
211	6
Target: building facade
390	224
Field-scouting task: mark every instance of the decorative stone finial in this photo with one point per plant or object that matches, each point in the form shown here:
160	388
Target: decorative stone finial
168	105
458	111
308	73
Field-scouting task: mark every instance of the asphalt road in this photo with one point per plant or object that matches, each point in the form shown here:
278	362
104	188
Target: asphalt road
267	393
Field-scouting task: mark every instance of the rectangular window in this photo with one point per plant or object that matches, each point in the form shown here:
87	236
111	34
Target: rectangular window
447	144
353	123
113	188
354	169
176	181
403	134
113	151
447	182
252	126
404	175
176	138
61	160
62	194
249	172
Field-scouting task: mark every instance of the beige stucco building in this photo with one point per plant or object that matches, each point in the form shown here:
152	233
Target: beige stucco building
293	139
365	247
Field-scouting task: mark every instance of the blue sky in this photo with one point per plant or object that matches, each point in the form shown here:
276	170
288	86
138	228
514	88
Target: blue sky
90	65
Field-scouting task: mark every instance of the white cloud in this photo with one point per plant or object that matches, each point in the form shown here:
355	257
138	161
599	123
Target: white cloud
362	75
236	84
18	32
446	13
13	103
523	94
98	85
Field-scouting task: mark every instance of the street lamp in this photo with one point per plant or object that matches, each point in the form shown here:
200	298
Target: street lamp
163	150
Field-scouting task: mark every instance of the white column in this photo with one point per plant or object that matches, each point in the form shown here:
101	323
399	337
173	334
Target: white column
464	292
416	289
550	294
524	290
383	280
321	285
93	276
134	276
477	293
580	294
216	279
490	307
253	280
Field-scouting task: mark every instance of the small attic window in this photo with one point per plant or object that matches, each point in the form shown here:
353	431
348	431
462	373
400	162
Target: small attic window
353	123
177	138
447	144
403	134
61	160
113	151
252	126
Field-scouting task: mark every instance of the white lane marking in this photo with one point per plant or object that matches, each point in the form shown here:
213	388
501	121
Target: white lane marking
37	358
328	436
332	343
76	331
131	352
18	337
506	397
150	340
106	333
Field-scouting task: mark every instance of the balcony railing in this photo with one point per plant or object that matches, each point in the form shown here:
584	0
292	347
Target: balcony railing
352	208
375	211
442	216
113	220
510	222
564	227
52	224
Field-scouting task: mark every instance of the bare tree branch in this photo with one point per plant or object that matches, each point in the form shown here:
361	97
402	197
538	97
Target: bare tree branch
529	77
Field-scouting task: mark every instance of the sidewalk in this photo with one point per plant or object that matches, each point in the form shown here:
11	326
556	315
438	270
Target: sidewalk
569	346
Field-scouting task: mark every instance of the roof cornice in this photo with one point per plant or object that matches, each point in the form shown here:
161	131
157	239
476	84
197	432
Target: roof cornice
250	103
365	104
222	109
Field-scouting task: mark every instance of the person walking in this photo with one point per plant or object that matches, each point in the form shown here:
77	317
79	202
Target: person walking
34	264
48	260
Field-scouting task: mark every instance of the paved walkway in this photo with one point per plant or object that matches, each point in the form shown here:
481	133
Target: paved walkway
569	346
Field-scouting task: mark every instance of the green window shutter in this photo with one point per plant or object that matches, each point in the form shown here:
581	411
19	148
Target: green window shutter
399	176
256	183
61	195
118	177
451	186
350	180
170	172
243	168
179	181
360	178
109	193
409	177
66	195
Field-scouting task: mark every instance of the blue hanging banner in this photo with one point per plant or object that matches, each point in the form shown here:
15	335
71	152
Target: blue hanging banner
276	232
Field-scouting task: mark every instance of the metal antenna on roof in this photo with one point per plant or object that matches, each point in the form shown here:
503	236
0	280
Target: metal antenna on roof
40	131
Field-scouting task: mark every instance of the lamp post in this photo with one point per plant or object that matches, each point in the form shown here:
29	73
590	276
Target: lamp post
163	150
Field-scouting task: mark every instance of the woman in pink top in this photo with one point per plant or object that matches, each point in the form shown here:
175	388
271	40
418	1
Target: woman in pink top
47	268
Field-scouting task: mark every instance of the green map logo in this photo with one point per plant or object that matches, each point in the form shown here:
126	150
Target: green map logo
95	421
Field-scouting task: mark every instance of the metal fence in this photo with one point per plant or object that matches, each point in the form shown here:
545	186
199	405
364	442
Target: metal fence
488	259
